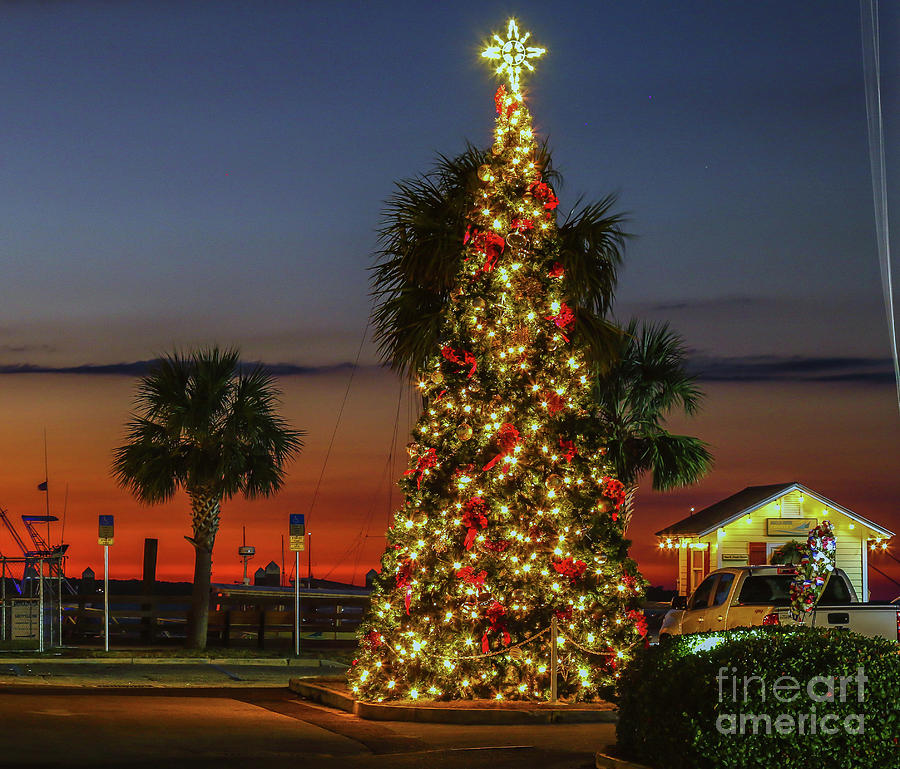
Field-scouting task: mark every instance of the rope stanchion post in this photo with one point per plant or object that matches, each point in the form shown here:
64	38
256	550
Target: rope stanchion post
554	630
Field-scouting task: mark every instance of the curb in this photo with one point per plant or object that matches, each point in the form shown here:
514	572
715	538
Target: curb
602	761
375	711
256	662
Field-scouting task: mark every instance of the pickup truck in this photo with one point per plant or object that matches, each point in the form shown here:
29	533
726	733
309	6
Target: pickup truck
744	596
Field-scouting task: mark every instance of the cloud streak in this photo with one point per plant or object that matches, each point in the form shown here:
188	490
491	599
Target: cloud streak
140	367
774	368
749	368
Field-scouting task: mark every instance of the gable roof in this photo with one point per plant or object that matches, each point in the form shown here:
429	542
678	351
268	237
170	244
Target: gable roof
745	502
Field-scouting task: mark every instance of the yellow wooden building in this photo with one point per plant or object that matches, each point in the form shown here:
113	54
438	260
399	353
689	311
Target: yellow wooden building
747	527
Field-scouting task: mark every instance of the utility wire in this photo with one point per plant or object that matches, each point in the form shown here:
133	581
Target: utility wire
871	50
337	424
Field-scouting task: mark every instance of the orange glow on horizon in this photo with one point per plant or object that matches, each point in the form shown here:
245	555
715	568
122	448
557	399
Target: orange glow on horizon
836	440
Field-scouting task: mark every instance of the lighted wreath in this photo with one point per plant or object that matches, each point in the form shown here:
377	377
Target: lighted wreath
816	565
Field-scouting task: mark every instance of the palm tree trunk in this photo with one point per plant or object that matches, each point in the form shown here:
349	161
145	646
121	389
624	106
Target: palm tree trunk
205	523
628	507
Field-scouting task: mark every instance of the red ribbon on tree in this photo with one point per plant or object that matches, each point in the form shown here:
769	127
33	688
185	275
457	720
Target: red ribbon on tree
427	461
495	613
568	448
570	568
460	358
404	579
491	246
474	518
563	319
557	270
555	402
498	98
639	620
464	471
545	194
497	546
522	224
507	438
372	639
468	575
613	489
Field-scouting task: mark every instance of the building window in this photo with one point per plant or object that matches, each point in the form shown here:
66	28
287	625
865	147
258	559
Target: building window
757	553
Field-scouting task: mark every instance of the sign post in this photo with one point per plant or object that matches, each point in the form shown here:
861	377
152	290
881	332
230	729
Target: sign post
105	537
41	605
297	536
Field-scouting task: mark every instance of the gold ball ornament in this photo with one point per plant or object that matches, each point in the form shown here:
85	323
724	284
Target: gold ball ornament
554	482
516	240
464	431
437	376
518	594
516	653
478	304
497	149
412	449
484	173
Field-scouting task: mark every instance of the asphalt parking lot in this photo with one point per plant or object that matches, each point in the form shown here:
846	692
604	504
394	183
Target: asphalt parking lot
261	727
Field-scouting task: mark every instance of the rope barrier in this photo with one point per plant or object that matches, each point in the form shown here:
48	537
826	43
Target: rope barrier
499	651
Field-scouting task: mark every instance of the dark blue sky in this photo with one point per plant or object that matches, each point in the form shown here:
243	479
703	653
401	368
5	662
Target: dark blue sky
175	170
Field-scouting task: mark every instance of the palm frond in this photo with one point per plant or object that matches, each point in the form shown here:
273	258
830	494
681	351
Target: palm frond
151	464
634	396
602	339
203	424
419	255
591	242
656	357
677	460
257	443
408	327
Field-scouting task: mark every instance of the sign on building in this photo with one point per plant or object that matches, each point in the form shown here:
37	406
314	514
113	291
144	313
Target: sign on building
798	528
24	620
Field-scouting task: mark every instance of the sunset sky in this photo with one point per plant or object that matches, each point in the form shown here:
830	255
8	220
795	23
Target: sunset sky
181	173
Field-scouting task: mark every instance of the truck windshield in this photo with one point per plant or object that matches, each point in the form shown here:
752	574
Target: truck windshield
775	590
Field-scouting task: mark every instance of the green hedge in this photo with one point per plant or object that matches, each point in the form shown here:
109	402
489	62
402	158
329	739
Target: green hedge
678	709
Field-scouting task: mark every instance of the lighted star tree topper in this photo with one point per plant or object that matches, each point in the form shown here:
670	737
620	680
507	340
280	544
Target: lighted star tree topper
513	54
510	516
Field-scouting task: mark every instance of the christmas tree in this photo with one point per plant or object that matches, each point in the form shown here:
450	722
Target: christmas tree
510	527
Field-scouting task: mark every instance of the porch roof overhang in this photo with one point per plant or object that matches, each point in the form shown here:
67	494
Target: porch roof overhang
749	500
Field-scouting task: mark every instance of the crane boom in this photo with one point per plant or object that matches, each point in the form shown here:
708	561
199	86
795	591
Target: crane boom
12	531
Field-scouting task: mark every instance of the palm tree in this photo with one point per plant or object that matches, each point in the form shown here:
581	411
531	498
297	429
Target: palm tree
422	248
205	425
647	381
